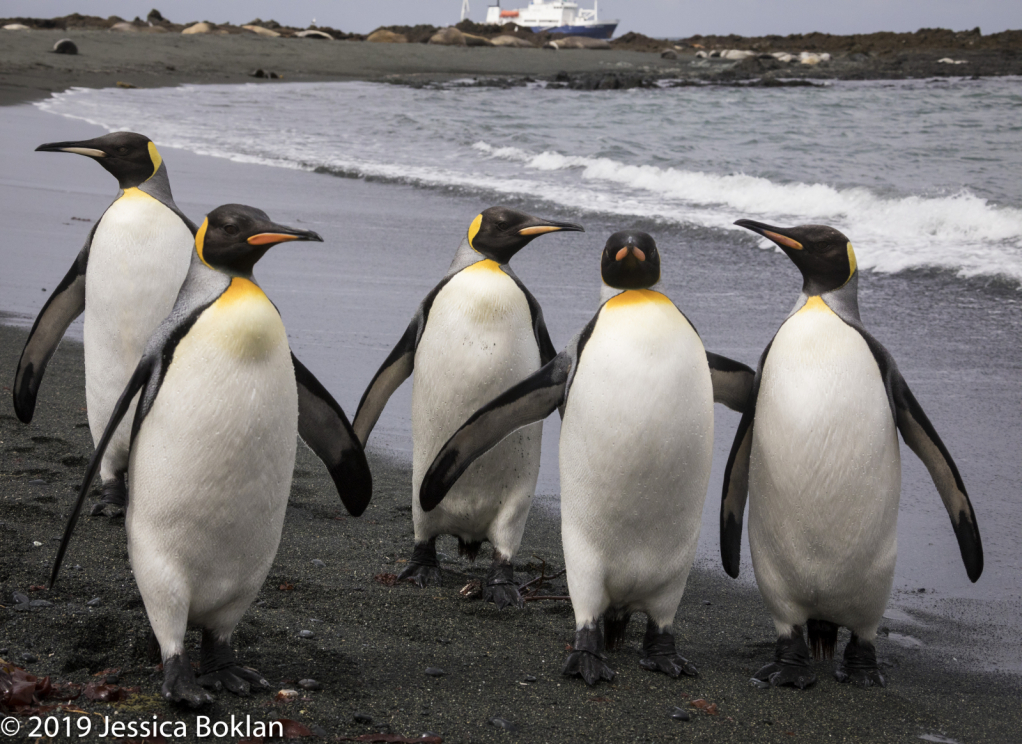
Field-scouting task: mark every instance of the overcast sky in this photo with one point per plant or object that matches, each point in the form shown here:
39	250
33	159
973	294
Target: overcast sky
653	17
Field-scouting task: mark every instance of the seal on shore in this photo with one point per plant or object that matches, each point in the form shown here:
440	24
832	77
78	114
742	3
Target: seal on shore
213	452
134	260
636	389
477	332
817	455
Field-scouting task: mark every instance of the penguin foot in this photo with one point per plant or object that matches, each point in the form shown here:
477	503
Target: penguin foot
586	659
500	587
790	666
113	499
660	654
218	669
179	685
859	666
238	680
423	567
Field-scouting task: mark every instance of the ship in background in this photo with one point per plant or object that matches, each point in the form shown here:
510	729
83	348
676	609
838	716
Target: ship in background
555	16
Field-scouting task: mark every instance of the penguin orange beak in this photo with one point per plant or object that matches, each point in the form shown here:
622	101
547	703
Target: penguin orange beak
775	234
635	250
78	148
541	227
283	236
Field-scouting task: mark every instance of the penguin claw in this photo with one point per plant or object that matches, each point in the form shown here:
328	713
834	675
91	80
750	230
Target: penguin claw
673	666
859	666
590	667
860	677
113	499
780	675
503	595
235	679
179	684
421	576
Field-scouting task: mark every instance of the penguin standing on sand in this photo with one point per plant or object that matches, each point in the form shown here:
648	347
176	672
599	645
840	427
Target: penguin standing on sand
636	389
125	279
817	454
213	451
478	332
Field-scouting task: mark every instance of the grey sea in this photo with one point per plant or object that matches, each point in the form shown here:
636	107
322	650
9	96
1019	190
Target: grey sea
923	176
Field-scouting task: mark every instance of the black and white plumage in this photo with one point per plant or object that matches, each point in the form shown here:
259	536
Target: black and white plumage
817	454
125	280
221	400
477	333
636	388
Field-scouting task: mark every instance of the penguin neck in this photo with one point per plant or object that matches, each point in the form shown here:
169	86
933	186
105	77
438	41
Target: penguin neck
844	300
607	292
466	256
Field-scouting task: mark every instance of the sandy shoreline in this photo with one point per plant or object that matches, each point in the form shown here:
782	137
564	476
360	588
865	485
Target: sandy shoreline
29	70
373	642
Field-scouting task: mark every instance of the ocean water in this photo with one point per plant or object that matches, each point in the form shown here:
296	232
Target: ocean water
917	173
922	176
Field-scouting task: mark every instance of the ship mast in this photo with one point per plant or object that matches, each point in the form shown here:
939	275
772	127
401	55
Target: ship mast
464	9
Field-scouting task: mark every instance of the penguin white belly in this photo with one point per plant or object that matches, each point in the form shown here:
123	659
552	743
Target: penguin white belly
635	453
211	468
137	262
824	477
477	343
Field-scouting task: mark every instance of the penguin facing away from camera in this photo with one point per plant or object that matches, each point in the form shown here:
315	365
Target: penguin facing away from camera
125	279
636	390
478	332
817	455
213	450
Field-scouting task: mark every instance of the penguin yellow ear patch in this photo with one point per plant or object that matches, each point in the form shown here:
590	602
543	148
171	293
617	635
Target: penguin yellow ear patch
473	229
852	264
154	155
200	240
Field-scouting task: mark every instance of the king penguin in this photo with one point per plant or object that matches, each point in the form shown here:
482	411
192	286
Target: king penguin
636	390
125	279
213	450
475	334
816	454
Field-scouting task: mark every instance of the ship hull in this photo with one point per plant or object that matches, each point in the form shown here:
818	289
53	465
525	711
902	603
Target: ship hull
595	31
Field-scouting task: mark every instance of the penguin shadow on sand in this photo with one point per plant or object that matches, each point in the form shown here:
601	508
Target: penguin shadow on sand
816	455
477	333
635	389
221	402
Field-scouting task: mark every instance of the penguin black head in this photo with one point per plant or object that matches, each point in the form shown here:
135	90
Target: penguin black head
630	260
233	237
130	158
823	255
500	232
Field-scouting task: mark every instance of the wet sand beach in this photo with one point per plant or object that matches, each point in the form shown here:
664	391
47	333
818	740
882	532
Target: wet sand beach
372	642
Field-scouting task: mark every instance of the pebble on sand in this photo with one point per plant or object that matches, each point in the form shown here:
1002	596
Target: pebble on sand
310	684
363	718
318	563
680	714
502	723
306	634
435	672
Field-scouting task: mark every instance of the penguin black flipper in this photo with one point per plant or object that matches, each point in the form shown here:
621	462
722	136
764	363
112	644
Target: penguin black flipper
396	368
323	426
66	303
922	438
732	381
736	479
140	378
546	346
531	400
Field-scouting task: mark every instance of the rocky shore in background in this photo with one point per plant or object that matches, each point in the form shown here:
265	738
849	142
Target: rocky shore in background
636	60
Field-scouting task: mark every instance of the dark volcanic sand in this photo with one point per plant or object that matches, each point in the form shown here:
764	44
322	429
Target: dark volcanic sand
372	643
28	69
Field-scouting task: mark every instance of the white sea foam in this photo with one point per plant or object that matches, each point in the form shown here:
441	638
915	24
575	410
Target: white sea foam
451	141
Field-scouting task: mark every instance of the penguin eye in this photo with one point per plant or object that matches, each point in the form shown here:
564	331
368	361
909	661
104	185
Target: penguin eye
502	226
122	149
231	229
